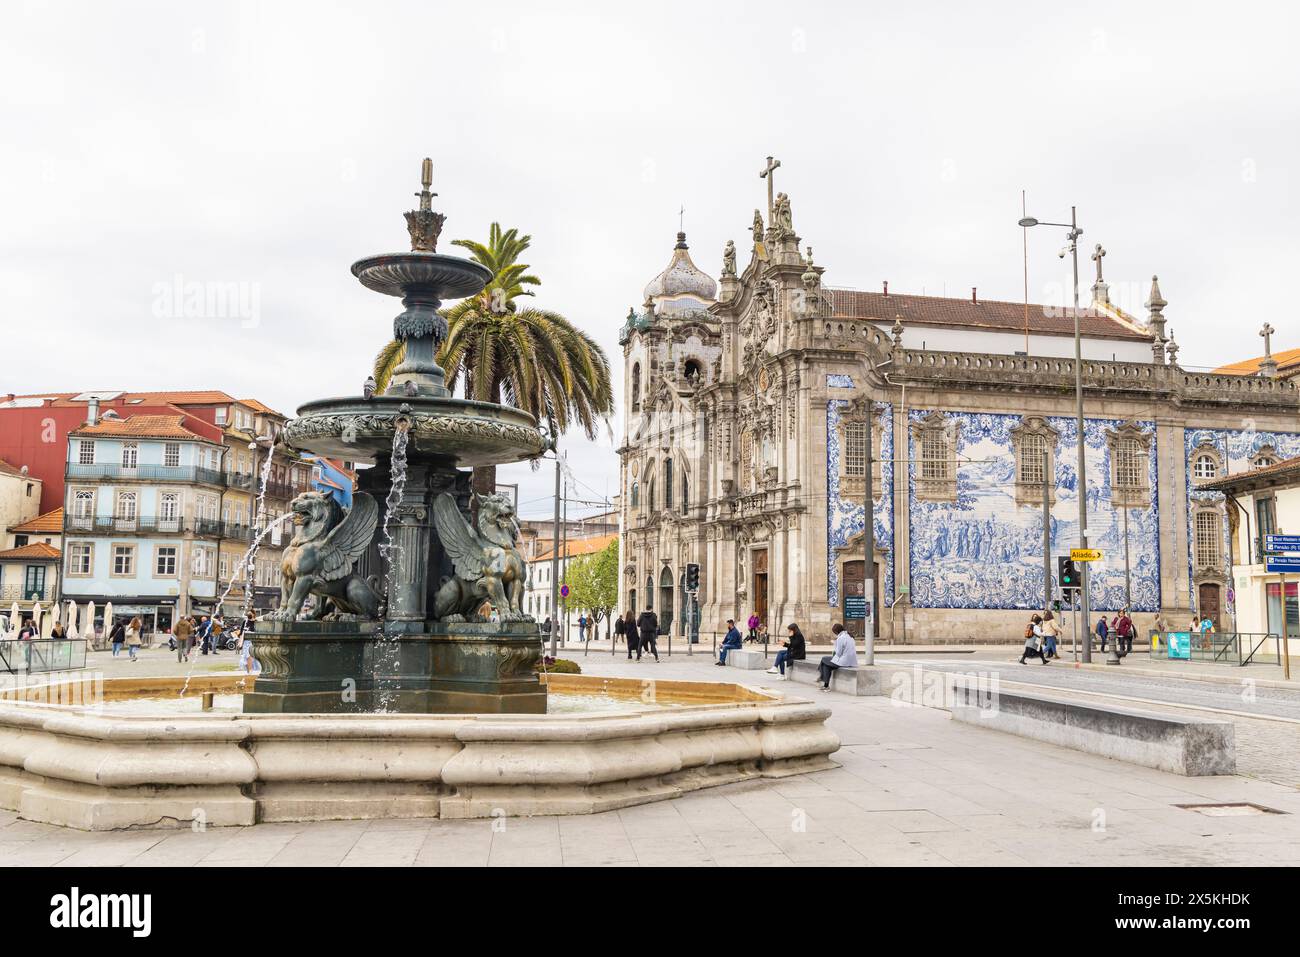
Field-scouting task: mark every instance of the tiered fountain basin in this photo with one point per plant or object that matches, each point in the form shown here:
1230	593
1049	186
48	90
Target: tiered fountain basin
114	765
458	431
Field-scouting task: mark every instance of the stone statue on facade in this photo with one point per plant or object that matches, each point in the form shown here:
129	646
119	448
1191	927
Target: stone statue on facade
783	221
729	259
757	228
319	559
487	563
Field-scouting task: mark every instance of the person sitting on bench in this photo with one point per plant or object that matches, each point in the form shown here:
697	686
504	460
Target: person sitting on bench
731	640
844	656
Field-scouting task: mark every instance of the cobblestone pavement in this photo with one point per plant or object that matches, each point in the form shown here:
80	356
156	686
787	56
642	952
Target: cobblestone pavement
913	789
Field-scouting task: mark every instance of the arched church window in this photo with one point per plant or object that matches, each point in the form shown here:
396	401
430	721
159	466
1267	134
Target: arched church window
686	491
935	439
668	483
1208	539
934	456
636	494
855	449
1205	466
1130	454
1033	459
636	387
650	494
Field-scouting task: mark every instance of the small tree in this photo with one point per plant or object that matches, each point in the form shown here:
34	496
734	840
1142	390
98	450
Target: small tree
593	583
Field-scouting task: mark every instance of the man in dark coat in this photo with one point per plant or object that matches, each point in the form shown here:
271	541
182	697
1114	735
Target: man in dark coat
648	626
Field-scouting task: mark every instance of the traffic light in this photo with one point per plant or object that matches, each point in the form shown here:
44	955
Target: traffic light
1067	574
692	577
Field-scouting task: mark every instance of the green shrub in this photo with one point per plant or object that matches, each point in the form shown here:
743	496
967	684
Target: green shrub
559	666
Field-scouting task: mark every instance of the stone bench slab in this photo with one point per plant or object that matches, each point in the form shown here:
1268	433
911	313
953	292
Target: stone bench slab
747	659
859	681
1169	742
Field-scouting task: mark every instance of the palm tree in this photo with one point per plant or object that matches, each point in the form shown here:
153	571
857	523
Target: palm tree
533	359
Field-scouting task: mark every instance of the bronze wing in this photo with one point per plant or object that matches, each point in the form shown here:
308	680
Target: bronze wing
459	541
349	538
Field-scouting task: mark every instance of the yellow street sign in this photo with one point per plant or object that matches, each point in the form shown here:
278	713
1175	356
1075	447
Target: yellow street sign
1085	555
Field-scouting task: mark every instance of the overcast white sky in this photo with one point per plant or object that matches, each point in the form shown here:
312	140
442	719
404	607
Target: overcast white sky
272	144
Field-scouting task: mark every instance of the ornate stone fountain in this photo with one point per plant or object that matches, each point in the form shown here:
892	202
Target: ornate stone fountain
402	581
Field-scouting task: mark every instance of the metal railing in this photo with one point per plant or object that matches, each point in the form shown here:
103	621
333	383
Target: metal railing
112	524
1226	648
42	654
98	472
21	593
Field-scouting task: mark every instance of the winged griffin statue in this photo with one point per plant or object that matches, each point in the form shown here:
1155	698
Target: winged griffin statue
488	565
326	544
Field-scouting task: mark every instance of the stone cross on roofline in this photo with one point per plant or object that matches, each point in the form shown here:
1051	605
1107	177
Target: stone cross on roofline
1268	365
767	174
1098	254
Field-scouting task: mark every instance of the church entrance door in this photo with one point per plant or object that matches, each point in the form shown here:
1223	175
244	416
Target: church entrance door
1209	603
665	601
760	586
853	608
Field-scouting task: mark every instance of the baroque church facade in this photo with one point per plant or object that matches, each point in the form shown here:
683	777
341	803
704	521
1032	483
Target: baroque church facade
745	451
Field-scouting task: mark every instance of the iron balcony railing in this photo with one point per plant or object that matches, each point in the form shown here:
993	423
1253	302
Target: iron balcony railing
111	524
21	593
98	472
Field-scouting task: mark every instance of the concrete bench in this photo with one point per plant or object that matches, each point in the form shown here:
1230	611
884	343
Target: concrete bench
1182	745
854	681
747	659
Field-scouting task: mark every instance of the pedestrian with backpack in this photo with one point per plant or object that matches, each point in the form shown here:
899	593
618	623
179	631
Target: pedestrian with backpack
1103	631
1033	640
1124	631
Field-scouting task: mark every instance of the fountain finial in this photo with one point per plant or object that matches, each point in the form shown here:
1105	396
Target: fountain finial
424	224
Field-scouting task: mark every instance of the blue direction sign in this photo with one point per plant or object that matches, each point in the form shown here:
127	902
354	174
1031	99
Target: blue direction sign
1284	563
1282	543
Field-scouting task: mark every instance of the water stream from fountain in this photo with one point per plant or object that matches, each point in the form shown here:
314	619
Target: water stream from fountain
386	650
243	563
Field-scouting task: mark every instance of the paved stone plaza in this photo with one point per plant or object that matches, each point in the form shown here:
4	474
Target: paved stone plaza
914	789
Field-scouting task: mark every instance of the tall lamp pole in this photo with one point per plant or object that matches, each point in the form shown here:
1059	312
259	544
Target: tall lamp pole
1073	234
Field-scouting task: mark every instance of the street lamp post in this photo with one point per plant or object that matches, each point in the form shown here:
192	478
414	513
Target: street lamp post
1073	249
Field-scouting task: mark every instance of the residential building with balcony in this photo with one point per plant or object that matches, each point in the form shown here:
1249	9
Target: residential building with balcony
142	527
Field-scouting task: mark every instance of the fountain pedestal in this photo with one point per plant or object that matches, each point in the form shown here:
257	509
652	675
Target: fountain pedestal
422	668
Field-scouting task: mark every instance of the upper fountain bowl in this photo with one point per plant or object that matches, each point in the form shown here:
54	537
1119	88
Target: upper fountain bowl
433	274
460	431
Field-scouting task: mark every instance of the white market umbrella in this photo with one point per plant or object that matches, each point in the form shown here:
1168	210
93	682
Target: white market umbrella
36	614
15	618
108	620
90	622
72	619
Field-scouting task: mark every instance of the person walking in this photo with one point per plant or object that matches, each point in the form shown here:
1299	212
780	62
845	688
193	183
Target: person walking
245	643
844	655
731	640
1050	633
116	636
1103	630
630	634
648	626
1034	640
58	631
620	630
183	632
753	623
582	627
28	631
218	626
133	637
792	649
204	633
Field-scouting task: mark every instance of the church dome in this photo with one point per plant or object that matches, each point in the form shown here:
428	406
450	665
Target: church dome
682	277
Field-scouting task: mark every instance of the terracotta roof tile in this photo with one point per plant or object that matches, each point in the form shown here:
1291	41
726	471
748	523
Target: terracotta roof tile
139	426
51	521
36	551
261	407
1287	360
8	469
578	546
983	314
